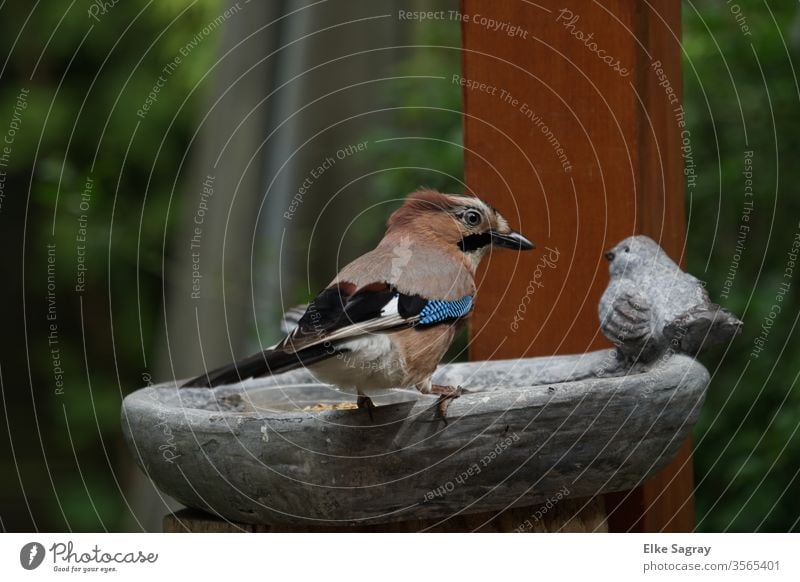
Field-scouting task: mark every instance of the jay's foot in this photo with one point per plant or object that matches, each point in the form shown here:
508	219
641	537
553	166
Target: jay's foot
366	402
446	395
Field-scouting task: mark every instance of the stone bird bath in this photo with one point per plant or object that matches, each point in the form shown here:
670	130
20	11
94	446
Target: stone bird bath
282	450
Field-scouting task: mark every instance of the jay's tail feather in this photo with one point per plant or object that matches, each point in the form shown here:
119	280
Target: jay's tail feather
263	363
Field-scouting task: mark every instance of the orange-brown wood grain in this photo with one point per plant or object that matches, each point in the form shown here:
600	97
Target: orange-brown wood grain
578	148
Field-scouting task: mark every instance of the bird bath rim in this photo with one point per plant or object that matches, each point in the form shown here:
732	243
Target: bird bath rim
275	466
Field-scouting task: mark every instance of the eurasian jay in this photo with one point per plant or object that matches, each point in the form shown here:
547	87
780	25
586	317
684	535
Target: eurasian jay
389	316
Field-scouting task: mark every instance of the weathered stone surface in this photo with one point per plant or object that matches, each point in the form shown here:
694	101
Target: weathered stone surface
652	307
527	430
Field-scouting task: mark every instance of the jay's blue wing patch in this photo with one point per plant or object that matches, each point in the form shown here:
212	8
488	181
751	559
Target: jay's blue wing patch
438	310
420	311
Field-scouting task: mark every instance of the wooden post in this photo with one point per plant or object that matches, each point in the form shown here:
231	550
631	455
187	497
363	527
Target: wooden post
575	136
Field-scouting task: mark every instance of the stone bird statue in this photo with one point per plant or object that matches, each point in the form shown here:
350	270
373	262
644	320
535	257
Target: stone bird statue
387	319
650	306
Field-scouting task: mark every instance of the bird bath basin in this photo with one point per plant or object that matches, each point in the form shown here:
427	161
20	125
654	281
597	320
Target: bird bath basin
287	450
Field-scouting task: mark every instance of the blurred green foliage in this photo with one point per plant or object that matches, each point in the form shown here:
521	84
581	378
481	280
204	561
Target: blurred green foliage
423	145
86	82
429	148
741	94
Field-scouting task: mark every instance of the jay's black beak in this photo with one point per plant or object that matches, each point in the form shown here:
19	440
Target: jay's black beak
610	256
512	240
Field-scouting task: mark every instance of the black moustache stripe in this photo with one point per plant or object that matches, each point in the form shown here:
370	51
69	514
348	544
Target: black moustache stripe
474	242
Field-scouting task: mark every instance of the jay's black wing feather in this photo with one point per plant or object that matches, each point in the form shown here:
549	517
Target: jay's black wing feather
337	307
337	314
262	364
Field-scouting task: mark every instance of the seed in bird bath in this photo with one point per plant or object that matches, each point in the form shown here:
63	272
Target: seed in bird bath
323	406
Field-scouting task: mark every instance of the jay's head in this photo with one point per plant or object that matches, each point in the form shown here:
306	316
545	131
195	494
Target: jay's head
467	223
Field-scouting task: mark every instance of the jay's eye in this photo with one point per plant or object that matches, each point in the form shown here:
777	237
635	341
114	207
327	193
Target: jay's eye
472	217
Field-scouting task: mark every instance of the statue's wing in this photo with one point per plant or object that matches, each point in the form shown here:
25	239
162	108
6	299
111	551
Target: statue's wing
628	321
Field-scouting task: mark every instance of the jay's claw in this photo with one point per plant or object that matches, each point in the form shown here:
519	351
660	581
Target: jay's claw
446	395
366	402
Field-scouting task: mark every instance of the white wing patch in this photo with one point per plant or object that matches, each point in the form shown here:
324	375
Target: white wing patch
391	307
